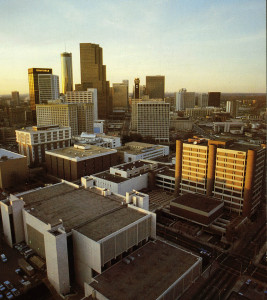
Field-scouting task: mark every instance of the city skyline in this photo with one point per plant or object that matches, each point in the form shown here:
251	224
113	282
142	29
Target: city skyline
199	45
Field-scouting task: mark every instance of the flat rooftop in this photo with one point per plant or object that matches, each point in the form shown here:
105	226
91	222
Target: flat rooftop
77	154
6	155
74	206
197	201
131	165
35	129
105	225
146	277
110	177
138	148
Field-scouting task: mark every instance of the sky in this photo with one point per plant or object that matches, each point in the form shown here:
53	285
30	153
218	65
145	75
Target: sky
200	45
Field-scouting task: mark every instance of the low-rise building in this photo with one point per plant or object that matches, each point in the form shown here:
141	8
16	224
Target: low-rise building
197	208
124	280
13	169
133	151
106	141
75	229
126	177
34	141
72	163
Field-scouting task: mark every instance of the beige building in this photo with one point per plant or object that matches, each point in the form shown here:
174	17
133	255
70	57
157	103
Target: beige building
13	169
58	114
232	172
155	87
153	119
184	99
133	151
89	96
34	141
198	112
98	227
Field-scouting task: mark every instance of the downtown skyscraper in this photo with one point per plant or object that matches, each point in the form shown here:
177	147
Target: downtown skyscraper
66	72
34	87
93	75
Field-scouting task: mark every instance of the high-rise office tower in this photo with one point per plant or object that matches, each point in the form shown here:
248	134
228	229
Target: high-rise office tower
203	100
136	93
34	87
58	114
232	107
153	119
120	95
214	99
155	86
93	75
184	100
48	87
228	171
66	72
15	97
89	96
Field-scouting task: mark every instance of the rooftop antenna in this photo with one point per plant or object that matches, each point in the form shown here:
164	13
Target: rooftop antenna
65	46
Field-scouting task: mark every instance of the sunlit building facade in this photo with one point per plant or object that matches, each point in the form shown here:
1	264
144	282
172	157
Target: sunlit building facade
66	72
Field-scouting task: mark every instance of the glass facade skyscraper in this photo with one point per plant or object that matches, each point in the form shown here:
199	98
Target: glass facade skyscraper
66	72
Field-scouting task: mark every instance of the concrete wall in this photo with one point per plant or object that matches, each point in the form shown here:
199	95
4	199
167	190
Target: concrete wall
87	256
135	183
88	290
5	211
35	223
57	261
17	207
153	219
13	172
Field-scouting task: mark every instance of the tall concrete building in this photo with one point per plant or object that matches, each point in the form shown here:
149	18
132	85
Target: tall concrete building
232	108
153	119
34	86
155	87
203	100
77	116
231	172
120	95
48	87
15	97
184	99
214	99
93	75
66	72
89	96
58	114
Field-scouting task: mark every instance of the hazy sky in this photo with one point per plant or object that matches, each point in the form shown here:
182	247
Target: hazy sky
200	45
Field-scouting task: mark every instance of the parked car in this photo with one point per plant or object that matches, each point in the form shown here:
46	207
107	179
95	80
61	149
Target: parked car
3	257
19	272
15	292
2	288
8	284
9	295
1	296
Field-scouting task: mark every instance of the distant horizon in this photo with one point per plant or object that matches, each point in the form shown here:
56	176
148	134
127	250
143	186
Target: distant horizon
199	45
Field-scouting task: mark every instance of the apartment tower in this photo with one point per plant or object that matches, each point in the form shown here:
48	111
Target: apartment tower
224	170
66	72
153	119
